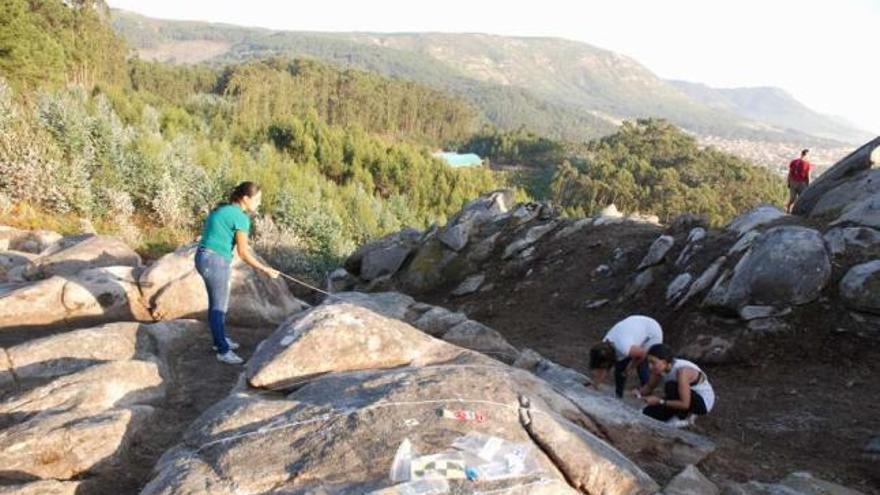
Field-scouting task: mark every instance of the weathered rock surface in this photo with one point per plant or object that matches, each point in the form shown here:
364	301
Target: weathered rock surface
799	483
861	186
384	256
69	352
172	289
92	296
62	445
531	236
356	339
657	251
693	245
848	169
437	321
744	242
478	337
346	424
433	266
860	287
860	242
390	304
77	399
486	207
13	265
94	389
677	287
757	217
708	349
865	213
749	313
640	283
573	228
456	237
92	252
29	241
704	281
386	261
786	266
470	285
690	482
47	487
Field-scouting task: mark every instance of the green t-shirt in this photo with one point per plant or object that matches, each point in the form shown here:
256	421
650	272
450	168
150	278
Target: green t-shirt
220	227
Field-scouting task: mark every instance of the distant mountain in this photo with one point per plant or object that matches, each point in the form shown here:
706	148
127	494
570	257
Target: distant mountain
559	88
776	107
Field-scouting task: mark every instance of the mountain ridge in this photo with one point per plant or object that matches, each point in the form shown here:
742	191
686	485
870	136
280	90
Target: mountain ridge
784	109
513	81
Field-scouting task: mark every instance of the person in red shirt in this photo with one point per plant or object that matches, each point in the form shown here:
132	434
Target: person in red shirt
798	178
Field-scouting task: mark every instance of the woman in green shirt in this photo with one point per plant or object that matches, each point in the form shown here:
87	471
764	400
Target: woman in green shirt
227	227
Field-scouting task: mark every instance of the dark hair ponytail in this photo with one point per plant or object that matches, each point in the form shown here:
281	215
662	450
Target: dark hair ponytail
662	352
242	190
602	356
245	189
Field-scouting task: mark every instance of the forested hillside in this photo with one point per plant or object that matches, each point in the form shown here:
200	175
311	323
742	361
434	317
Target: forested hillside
146	149
648	165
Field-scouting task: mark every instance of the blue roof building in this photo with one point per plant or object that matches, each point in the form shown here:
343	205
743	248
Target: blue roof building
460	160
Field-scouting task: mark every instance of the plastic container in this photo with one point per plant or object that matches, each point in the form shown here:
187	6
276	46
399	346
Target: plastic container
418	487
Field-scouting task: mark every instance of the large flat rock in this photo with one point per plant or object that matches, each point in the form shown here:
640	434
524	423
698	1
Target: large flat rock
342	337
346	427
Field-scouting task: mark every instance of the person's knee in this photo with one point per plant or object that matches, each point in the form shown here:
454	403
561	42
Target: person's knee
655	412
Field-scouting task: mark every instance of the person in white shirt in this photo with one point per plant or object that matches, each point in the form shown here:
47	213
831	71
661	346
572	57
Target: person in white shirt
624	347
687	391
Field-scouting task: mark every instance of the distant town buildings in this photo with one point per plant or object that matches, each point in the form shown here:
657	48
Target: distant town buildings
776	155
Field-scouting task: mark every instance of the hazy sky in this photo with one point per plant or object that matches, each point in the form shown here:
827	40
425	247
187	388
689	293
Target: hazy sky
822	52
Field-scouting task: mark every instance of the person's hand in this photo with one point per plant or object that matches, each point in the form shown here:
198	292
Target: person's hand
637	393
271	272
652	400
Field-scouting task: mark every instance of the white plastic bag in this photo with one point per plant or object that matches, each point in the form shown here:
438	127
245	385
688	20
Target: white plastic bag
400	467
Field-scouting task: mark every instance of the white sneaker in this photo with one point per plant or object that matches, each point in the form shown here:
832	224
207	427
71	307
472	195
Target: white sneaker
233	345
229	358
681	423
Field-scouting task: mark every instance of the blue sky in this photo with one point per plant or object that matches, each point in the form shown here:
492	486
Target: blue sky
821	52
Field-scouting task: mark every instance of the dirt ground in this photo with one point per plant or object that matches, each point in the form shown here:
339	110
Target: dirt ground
802	400
199	382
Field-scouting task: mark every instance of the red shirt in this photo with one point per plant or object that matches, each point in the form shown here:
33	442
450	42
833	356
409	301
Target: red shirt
799	170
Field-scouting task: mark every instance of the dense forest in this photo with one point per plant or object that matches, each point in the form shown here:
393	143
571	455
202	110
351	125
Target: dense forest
145	150
648	165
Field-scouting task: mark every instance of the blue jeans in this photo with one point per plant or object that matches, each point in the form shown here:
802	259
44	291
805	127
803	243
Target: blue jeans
215	271
620	376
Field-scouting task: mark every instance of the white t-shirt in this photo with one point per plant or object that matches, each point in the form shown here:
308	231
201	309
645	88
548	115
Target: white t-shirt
637	330
702	387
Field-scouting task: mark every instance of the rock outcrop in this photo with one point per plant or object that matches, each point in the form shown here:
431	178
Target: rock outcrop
442	399
72	409
172	289
860	288
755	218
785	266
90	252
90	296
851	169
